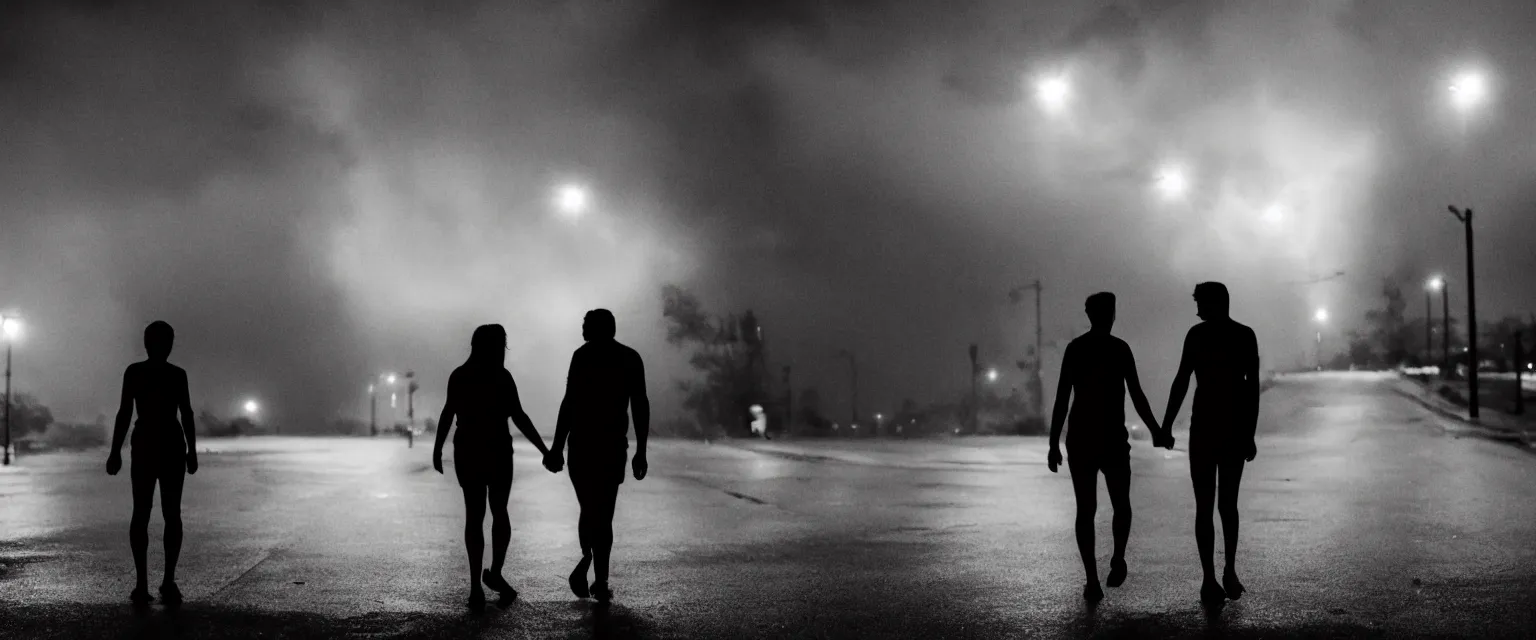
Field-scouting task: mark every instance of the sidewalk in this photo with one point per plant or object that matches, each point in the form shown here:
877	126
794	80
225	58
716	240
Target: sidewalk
1491	423
922	453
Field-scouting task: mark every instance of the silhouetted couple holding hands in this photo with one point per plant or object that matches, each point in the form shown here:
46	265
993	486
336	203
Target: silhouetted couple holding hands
1096	371
606	383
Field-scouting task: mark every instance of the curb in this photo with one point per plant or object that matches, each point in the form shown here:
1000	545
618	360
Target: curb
1497	434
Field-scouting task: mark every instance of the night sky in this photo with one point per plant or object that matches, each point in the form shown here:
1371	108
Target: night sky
314	192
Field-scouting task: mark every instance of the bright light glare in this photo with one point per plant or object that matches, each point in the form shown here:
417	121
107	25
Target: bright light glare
1435	283
11	327
1053	92
1274	215
1321	315
251	407
991	375
571	200
1172	183
389	378
1469	89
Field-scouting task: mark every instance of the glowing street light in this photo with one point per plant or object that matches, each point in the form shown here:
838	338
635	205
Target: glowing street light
1321	316
251	408
1274	215
1172	183
571	200
1469	90
1053	92
10	329
992	374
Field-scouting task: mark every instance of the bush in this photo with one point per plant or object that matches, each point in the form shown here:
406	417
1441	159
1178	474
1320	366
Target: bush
61	435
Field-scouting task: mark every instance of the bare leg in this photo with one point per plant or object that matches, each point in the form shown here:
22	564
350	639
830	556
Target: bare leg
138	527
1231	478
474	535
1117	479
501	524
602	529
1202	474
171	482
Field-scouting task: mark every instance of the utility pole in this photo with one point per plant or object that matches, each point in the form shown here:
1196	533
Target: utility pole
975	371
1429	326
410	409
1445	330
1519	367
7	398
1466	222
853	371
373	411
789	403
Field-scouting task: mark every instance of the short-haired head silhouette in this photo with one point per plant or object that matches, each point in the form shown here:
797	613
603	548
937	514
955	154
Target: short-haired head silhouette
488	344
158	339
1212	301
1101	310
598	325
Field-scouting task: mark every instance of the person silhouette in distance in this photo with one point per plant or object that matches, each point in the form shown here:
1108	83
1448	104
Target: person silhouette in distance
164	450
606	379
1096	371
1223	355
481	396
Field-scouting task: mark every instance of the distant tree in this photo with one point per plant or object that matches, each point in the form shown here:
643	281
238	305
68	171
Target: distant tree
28	415
1390	332
726	356
1497	342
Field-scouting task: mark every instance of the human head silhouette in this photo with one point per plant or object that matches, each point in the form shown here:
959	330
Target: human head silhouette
1211	301
1101	310
488	345
158	338
598	325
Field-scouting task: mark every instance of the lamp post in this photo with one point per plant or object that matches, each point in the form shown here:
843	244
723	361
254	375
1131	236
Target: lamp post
1037	385
1321	316
10	328
1466	222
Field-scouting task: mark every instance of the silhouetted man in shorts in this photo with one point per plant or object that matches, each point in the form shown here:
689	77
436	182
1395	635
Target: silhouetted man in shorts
164	450
1095	373
1224	358
606	380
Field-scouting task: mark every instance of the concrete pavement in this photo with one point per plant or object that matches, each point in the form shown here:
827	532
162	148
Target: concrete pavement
1362	516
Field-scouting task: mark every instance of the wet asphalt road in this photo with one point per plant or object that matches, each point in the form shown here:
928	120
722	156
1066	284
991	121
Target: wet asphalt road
1363	516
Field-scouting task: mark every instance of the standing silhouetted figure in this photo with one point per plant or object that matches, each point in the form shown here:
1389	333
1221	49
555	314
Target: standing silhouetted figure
1224	357
164	449
1095	373
482	395
606	379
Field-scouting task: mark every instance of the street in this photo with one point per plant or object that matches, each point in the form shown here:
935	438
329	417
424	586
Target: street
1363	515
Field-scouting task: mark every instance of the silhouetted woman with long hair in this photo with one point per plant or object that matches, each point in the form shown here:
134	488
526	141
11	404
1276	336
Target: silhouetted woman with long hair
482	395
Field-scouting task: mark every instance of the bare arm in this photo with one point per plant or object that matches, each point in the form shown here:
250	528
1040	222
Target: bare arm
563	419
124	413
640	406
445	421
1139	397
1252	386
1180	382
1063	399
188	428
520	418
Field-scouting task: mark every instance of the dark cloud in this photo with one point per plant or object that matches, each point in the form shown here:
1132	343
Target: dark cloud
314	192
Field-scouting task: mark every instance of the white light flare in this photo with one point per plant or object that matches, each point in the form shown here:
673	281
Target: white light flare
1321	316
251	408
571	200
1054	93
1172	183
11	328
1469	90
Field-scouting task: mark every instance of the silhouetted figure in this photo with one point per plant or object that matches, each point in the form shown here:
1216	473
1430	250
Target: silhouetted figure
164	449
1095	373
1224	357
606	380
482	395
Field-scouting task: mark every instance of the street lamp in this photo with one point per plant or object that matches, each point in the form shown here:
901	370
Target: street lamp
1053	92
373	401
1466	222
1321	316
1171	182
10	328
571	200
1469	90
992	374
251	408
